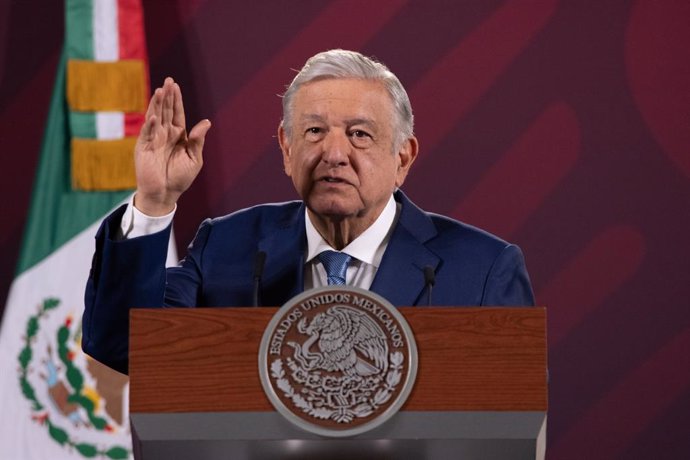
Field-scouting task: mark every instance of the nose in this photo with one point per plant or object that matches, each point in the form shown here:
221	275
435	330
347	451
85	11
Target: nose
336	148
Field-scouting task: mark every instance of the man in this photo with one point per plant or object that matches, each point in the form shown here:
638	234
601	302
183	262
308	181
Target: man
347	143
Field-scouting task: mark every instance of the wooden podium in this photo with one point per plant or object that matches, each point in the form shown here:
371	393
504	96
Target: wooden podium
481	389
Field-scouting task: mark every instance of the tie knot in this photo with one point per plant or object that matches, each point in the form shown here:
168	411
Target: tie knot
335	264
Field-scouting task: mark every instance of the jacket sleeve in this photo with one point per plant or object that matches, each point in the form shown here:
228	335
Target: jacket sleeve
508	283
124	274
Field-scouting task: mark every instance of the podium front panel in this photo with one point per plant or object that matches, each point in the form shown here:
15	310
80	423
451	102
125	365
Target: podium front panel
481	390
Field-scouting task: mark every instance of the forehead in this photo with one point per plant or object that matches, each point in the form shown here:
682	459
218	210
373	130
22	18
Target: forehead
343	98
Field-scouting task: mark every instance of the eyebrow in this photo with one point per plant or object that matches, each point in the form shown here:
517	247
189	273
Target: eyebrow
362	121
349	122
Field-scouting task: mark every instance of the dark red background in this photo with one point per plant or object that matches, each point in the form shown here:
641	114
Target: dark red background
561	126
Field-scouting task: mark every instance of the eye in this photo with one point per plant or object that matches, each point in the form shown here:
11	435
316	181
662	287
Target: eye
360	134
360	138
313	133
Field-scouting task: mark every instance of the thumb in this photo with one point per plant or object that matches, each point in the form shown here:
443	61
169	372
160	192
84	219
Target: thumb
197	136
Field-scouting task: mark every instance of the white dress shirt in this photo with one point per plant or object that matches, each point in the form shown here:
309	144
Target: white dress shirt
366	251
135	223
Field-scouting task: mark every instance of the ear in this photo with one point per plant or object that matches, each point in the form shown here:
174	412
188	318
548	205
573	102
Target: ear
406	156
285	148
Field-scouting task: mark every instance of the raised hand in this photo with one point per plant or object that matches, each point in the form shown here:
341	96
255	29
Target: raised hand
166	158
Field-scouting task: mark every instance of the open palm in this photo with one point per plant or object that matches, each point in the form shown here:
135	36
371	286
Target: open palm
167	159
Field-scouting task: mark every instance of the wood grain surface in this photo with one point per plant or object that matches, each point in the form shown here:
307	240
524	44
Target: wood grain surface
206	359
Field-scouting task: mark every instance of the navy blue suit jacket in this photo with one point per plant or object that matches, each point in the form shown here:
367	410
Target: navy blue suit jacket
472	267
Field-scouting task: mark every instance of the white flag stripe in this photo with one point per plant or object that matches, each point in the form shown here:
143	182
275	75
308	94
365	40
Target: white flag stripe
105	31
110	125
61	275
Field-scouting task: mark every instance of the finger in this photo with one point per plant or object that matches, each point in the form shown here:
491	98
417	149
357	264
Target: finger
146	133
197	136
178	107
167	109
154	109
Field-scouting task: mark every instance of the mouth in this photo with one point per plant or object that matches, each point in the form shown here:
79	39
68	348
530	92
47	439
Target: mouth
333	180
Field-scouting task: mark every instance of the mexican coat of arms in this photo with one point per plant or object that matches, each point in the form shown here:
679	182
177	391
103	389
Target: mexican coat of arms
338	361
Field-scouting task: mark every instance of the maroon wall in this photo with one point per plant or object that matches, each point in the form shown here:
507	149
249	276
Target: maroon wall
561	126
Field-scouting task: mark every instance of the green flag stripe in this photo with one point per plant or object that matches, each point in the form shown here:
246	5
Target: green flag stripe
83	124
57	213
79	29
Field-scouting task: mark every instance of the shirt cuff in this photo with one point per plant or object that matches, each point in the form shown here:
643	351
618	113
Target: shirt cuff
135	223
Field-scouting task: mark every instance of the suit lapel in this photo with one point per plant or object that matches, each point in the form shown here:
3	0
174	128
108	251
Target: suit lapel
400	278
284	269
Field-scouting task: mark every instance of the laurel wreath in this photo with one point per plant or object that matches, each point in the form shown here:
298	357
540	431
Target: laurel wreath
363	409
75	379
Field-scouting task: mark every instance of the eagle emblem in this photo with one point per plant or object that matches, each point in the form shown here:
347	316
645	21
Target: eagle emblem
348	341
337	361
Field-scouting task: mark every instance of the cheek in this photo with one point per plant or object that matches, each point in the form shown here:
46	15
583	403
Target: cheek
380	174
301	170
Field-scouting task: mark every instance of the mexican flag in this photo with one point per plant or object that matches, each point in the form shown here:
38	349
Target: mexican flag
56	402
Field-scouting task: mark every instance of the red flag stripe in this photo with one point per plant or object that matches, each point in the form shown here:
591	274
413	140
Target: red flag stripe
131	29
132	40
133	123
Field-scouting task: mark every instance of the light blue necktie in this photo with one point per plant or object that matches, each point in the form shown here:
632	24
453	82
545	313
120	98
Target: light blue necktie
336	266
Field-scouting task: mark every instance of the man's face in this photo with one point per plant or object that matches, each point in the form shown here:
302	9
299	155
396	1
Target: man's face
340	154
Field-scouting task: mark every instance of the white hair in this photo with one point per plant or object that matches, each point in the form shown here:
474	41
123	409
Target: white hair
340	63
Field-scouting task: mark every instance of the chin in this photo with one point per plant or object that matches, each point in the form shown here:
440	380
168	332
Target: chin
333	209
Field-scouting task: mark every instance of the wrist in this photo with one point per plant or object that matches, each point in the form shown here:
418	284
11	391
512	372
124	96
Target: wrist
153	206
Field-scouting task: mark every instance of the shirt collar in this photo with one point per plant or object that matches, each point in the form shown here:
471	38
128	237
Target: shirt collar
367	247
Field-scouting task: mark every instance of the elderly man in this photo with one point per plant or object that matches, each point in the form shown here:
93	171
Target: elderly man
347	143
